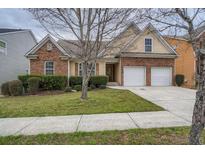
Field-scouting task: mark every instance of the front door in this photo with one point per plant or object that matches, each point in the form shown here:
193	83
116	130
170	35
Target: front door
110	72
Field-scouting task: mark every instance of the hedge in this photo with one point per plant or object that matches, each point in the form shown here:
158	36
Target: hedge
24	80
33	85
16	88
94	80
53	82
75	80
47	82
77	87
5	89
98	80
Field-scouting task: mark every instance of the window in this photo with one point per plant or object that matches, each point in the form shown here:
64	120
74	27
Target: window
148	44
80	69
2	46
49	68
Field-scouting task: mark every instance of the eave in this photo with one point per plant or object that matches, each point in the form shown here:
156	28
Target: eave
147	55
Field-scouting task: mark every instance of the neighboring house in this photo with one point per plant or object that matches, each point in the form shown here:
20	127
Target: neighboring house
145	59
185	62
14	43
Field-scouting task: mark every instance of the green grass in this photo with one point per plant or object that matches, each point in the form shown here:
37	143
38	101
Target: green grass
99	101
177	135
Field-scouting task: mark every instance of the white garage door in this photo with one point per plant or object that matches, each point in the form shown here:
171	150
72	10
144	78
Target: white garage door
134	76
161	76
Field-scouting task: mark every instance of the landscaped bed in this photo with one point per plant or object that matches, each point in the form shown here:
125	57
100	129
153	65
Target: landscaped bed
99	101
135	136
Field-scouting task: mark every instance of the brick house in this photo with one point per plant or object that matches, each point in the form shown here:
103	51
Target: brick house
145	59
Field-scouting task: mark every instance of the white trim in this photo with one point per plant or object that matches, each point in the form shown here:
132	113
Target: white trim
5	52
148	37
45	66
29	66
42	42
68	69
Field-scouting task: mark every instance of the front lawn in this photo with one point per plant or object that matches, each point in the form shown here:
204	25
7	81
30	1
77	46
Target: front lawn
177	135
100	101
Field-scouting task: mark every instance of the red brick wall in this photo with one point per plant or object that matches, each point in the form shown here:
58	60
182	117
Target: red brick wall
37	65
148	63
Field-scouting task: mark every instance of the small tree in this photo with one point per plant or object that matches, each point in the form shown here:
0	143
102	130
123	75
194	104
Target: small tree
179	20
93	29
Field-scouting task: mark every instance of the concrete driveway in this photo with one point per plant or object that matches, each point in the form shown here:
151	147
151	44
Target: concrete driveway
176	100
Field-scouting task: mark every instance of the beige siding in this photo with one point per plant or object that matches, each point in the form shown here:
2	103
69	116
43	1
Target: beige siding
118	73
120	42
138	44
101	67
72	68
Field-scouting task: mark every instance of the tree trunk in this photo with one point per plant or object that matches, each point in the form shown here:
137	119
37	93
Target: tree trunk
199	107
84	94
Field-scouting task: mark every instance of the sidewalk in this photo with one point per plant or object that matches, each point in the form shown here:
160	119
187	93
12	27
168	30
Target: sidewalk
88	123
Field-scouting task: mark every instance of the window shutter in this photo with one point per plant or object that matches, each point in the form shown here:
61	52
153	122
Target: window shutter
76	69
97	68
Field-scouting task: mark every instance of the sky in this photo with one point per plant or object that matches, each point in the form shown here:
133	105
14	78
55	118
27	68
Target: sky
21	19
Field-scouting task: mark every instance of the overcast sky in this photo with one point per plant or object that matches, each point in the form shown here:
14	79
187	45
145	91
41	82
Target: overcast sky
19	18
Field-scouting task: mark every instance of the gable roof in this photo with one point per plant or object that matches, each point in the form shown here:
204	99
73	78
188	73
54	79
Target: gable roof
152	29
132	26
71	46
67	47
8	30
42	42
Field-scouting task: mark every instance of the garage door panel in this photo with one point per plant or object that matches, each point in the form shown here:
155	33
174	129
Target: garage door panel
134	76
161	76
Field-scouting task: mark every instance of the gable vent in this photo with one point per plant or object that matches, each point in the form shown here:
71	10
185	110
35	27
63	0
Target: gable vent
49	46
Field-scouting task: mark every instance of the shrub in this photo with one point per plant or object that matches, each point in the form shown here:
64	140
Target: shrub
102	86
92	86
33	84
68	89
89	88
77	87
179	79
16	88
5	89
24	80
75	80
98	80
52	82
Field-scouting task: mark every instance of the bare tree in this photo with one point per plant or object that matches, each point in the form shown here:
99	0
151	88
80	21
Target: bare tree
90	27
183	20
